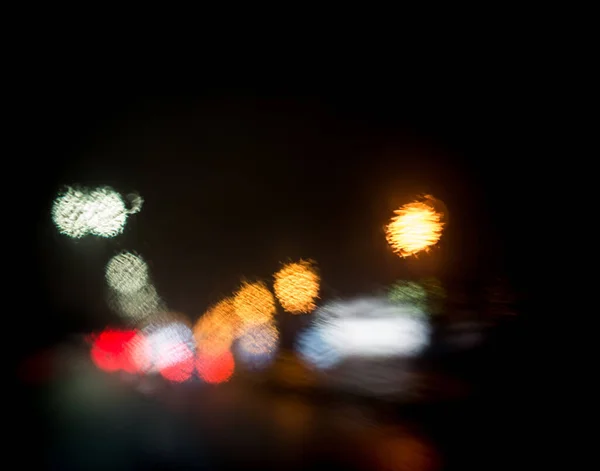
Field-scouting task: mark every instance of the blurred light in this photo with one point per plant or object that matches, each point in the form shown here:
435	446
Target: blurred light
111	352
137	305
140	353
315	351
415	227
216	329
377	337
254	304
126	273
436	294
409	294
364	327
181	370
136	202
258	346
403	451
168	349
297	286
215	369
78	212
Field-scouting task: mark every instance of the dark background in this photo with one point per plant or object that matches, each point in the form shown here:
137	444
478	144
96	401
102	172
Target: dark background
237	179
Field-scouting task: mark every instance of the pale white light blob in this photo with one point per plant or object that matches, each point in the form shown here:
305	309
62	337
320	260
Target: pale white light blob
369	327
376	337
139	304
169	344
127	273
101	212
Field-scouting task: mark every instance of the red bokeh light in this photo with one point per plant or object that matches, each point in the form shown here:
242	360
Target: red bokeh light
110	350
180	371
215	369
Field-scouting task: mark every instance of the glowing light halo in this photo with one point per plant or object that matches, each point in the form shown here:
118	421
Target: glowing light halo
215	369
415	227
137	305
362	327
216	329
127	273
167	344
297	286
259	339
254	304
77	212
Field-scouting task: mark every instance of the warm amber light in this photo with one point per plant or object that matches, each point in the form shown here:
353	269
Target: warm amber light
254	304
297	286
416	227
216	329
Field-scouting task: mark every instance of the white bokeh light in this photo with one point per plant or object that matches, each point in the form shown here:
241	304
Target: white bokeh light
364	327
169	344
101	211
127	273
137	305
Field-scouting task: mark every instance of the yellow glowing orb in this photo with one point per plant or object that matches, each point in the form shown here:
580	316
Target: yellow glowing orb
297	286
416	227
126	273
216	329
254	304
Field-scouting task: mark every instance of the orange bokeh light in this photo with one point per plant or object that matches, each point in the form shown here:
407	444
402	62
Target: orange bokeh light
254	304
215	331
415	227
297	286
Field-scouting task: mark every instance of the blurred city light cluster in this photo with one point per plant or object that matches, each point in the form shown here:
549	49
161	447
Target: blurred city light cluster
241	329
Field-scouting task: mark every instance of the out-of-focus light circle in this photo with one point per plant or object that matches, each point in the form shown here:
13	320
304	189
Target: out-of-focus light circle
297	286
140	352
313	350
216	329
78	212
259	339
168	349
126	273
254	304
110	350
415	227
182	369
258	346
106	212
410	294
137	305
215	369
